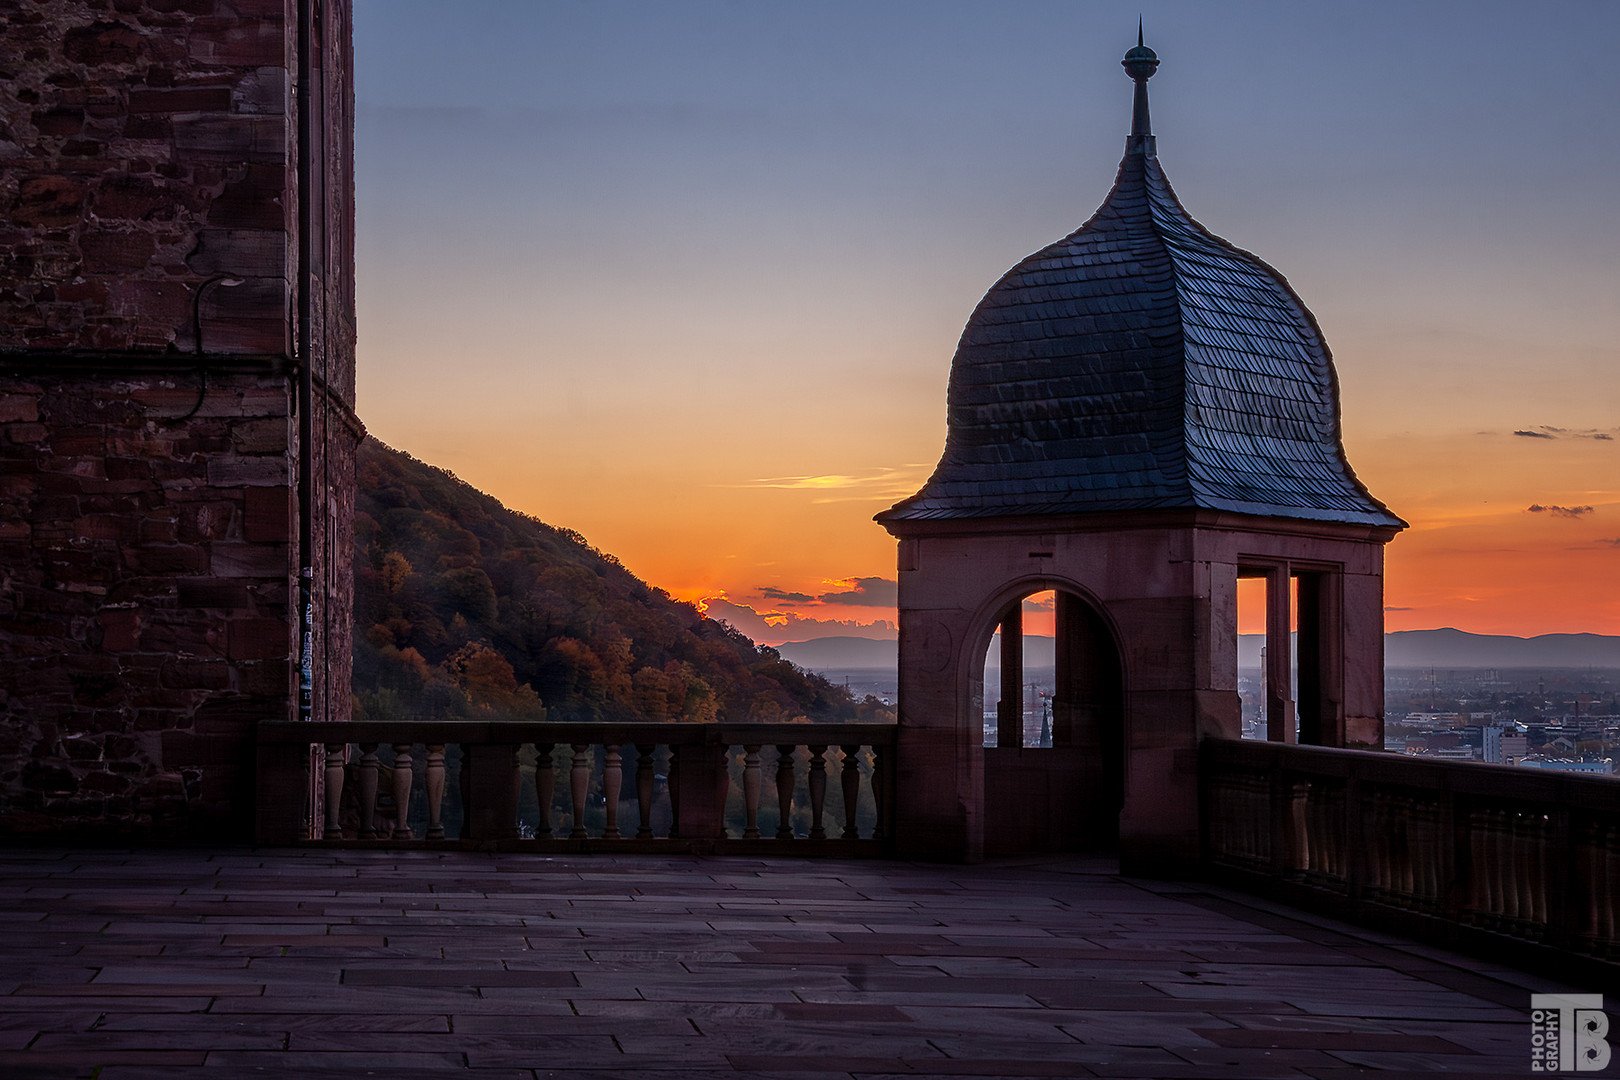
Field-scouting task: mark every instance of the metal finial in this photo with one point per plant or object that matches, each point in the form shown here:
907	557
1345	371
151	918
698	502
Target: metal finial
1140	63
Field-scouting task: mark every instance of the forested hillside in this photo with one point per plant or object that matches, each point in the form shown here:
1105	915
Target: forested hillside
466	608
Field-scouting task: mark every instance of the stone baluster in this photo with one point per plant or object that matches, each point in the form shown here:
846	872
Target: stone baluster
817	783
1434	847
433	781
1502	832
1481	884
1296	841
880	795
545	788
672	781
578	778
335	755
850	779
1220	826
1384	840
1607	840
1529	841
402	791
644	788
368	791
1478	876
612	786
784	792
751	792
1401	853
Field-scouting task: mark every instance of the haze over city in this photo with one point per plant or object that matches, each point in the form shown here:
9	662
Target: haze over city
688	278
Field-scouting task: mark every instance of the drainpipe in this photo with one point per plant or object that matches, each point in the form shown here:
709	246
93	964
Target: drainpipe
306	342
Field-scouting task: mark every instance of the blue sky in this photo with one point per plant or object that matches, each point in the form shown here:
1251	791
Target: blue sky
687	277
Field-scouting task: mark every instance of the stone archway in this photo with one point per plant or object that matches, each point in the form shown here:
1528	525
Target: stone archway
1065	796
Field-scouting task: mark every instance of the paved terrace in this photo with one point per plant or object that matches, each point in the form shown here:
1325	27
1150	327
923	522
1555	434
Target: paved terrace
347	963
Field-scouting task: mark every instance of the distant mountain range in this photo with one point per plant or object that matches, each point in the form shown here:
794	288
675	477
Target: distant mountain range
1406	648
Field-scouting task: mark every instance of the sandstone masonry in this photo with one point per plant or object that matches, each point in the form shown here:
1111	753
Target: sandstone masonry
149	304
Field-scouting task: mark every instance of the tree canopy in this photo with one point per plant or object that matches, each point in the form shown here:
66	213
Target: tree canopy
466	608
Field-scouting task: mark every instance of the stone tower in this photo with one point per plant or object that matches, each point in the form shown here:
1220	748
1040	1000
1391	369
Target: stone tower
1138	415
176	402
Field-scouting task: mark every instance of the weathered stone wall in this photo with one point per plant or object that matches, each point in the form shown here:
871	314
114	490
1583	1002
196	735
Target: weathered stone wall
148	430
143	600
146	149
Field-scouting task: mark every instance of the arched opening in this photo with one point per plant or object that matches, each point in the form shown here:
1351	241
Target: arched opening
1050	692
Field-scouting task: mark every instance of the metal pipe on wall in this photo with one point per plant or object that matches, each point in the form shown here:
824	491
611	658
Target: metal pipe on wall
306	339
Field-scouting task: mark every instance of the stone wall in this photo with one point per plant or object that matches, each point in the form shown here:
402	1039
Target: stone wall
143	600
148	430
146	149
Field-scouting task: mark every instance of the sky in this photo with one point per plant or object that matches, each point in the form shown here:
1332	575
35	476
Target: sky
687	277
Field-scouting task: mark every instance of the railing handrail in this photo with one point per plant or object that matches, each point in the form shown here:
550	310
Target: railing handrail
499	732
1476	778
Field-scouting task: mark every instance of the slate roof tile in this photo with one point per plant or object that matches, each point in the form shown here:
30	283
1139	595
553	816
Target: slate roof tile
1142	362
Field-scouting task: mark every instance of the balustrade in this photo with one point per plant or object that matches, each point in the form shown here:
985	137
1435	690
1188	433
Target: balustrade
565	785
1525	853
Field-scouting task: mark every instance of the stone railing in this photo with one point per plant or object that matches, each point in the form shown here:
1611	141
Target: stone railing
579	787
1526	853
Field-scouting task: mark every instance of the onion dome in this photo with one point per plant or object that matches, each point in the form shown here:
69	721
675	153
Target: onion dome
1142	363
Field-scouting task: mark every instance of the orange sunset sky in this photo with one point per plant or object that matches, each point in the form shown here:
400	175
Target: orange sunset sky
688	278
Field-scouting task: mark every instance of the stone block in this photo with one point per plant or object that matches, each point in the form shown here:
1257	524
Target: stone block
106	783
267	678
15	407
188	559
240	43
266	91
249	560
82	749
191	673
48	201
120	629
260	436
129	198
104	43
260	639
50	778
212	593
54	123
267	514
184	100
210	520
228	138
108	252
106	527
164	303
259	470
258	201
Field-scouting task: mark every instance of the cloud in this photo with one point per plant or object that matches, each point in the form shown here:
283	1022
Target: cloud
865	592
771	592
1611	541
775	627
1548	431
886	484
1400	609
1559	511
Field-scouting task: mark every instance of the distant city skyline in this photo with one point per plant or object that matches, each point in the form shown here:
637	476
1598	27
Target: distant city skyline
688	278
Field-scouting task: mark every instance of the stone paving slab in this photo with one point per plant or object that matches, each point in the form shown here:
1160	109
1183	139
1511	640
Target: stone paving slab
129	965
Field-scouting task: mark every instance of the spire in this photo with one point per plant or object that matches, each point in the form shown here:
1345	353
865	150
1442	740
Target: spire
1140	64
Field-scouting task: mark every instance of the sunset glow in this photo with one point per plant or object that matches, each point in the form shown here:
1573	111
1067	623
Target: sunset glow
688	278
